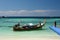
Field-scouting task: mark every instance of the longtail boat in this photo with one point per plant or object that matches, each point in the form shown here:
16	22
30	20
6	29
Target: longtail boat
31	26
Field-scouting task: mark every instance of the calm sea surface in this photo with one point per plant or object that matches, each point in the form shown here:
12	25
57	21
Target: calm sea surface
6	25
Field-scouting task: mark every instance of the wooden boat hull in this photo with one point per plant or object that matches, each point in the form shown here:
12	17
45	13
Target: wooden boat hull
38	28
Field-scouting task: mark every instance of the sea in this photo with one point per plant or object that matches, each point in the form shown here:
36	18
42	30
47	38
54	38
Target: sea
6	27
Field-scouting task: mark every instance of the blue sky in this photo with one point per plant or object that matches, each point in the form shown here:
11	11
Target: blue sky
29	7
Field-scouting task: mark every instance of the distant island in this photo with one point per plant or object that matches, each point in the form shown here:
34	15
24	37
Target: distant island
27	17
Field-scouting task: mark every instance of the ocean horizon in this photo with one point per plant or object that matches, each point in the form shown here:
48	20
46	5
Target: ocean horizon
29	16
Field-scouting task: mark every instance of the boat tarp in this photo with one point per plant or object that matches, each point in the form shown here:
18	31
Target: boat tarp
55	29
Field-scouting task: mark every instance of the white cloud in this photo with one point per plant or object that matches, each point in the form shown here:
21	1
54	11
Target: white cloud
40	11
30	13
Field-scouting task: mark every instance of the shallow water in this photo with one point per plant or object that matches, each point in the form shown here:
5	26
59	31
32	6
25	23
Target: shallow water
6	25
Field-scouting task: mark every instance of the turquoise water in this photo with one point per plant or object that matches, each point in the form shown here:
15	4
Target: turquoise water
6	25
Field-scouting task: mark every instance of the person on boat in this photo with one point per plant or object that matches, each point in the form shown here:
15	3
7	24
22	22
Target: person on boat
41	24
16	26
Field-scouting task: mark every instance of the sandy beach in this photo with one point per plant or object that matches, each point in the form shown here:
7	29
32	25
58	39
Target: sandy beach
30	38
